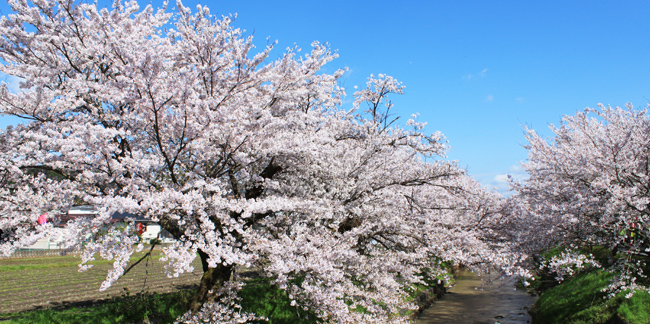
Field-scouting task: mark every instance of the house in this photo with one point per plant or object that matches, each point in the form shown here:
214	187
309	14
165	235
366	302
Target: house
146	228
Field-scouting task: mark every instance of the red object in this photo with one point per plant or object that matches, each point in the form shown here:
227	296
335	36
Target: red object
140	228
42	219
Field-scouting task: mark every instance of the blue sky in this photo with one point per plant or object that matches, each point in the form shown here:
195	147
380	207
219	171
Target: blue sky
479	71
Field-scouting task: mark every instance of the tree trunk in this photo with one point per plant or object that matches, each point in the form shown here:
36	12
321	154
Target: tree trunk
212	280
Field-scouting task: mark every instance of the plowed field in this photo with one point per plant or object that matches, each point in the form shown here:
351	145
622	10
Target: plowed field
32	283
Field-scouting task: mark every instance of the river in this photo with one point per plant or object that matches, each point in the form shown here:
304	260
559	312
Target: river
466	302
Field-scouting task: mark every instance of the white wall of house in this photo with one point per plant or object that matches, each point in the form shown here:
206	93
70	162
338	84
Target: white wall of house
43	244
151	232
46	243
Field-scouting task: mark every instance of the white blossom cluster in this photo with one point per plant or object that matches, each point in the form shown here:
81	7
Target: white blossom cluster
225	309
567	264
115	245
626	280
247	161
589	186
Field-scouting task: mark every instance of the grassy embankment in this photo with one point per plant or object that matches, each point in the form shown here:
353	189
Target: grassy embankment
580	300
49	290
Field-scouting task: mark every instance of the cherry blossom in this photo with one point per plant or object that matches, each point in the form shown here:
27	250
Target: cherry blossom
247	161
589	186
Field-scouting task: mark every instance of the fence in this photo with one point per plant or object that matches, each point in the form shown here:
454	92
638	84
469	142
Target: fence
38	253
35	253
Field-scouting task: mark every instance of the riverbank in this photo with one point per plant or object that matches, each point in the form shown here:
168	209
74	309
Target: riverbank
580	300
426	298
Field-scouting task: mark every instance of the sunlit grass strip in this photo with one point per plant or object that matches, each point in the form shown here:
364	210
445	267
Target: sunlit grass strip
580	300
57	262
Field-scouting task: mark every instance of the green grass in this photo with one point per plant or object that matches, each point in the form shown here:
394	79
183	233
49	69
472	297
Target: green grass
7	268
163	308
71	297
259	296
579	300
8	265
635	309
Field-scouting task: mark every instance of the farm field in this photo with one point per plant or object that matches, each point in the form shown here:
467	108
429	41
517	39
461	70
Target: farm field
54	282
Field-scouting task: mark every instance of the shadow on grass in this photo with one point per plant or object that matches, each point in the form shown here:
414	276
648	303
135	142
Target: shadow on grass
264	299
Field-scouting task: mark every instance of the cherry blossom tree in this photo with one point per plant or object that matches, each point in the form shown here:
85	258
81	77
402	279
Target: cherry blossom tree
589	186
248	161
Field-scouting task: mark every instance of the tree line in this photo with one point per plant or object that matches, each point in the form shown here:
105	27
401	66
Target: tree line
254	162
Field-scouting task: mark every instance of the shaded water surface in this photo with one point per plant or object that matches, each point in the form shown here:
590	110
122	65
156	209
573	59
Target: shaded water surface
466	302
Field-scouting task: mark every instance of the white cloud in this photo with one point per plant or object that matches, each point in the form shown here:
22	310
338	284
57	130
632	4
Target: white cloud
501	184
475	75
489	98
501	181
517	172
13	82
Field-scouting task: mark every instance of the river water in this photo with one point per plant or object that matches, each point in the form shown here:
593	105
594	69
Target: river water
467	302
